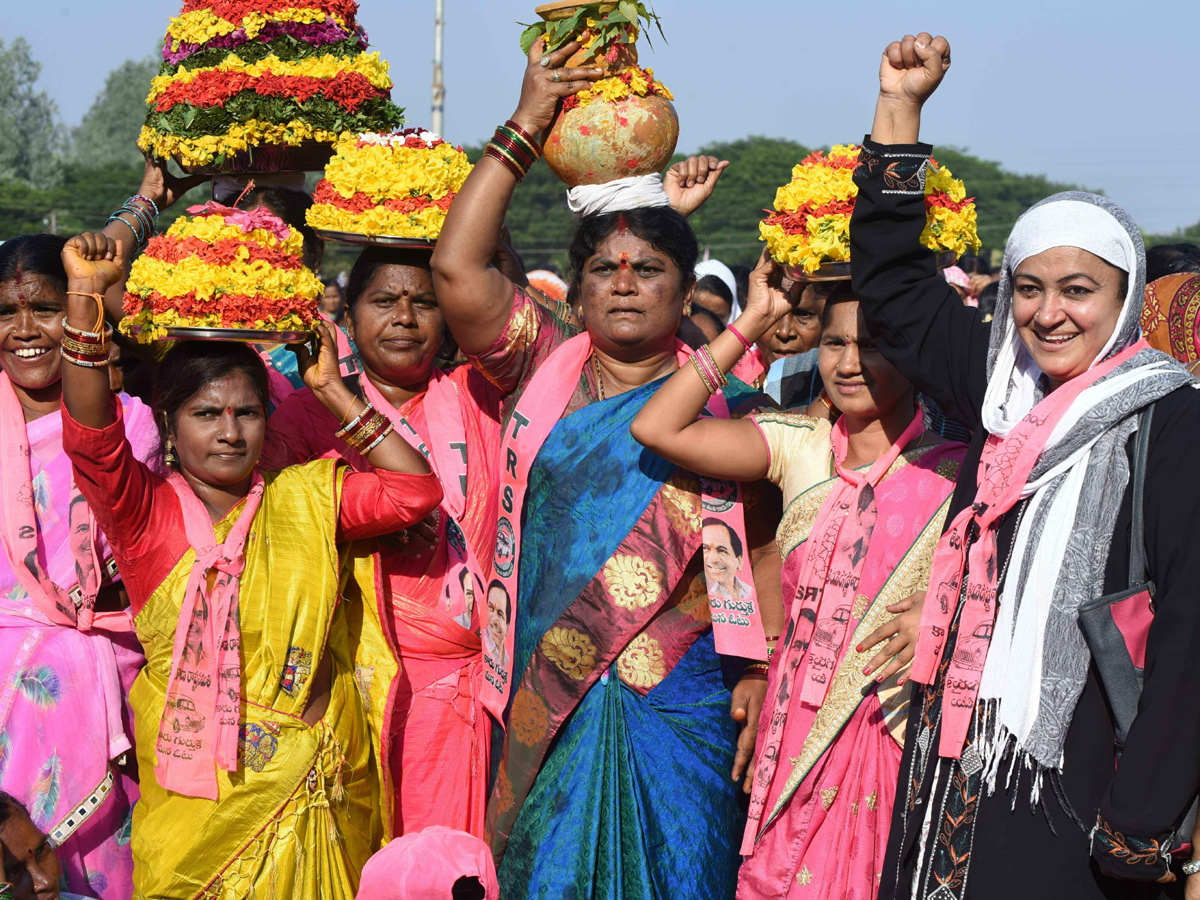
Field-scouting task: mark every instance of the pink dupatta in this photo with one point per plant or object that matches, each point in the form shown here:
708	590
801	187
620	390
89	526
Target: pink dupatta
1004	469
206	660
20	534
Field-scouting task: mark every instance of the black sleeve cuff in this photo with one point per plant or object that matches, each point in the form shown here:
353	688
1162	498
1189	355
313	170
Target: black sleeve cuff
900	167
1128	857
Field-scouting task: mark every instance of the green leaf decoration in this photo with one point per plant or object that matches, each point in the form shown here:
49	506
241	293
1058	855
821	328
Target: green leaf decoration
612	26
529	37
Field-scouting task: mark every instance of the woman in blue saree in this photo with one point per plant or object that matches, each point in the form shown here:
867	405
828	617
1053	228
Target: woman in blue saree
614	772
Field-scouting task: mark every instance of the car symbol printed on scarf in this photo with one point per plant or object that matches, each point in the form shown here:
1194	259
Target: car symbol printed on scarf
296	670
972	651
829	632
719	496
256	746
184	716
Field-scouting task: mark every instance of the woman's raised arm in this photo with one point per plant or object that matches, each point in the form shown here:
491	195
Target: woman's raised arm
475	298
94	263
917	319
670	423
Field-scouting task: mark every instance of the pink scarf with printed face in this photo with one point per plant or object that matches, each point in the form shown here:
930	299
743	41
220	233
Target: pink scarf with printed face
737	621
829	577
20	534
200	720
970	542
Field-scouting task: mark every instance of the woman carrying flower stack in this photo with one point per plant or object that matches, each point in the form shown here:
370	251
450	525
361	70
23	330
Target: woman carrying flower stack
865	500
429	590
257	767
1013	779
613	773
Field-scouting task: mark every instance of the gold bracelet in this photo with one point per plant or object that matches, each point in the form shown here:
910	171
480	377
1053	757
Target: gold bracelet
83	363
99	351
348	428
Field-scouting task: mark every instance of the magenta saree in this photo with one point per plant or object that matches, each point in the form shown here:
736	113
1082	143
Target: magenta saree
826	773
64	715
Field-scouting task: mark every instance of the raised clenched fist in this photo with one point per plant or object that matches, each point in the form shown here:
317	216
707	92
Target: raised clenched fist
912	68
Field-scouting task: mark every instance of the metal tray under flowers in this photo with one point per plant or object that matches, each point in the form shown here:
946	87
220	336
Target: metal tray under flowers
311	156
241	335
375	240
840	271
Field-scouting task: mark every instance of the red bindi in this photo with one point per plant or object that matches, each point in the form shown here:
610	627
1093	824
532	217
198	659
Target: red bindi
623	260
622	223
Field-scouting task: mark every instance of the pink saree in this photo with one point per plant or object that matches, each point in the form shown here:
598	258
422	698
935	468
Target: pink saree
64	717
438	730
829	750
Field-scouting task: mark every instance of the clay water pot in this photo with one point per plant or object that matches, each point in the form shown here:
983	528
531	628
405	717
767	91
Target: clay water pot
606	141
602	142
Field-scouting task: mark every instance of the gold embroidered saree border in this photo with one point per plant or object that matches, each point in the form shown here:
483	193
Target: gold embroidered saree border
850	686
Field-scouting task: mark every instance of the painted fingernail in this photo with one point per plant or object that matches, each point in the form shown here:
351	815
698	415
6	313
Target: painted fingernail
920	45
858	649
867	670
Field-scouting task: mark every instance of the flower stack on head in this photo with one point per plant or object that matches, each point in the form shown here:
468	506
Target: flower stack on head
809	231
622	126
388	188
264	85
222	268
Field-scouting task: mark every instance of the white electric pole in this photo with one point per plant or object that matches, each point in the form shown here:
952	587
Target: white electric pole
437	115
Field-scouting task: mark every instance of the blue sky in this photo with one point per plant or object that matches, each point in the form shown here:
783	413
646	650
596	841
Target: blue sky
1097	92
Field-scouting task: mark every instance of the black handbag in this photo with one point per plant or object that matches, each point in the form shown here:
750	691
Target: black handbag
1115	626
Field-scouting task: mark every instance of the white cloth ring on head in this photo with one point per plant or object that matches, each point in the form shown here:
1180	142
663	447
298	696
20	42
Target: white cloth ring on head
545	62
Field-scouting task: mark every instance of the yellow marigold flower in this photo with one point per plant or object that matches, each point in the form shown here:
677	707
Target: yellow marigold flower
369	65
202	25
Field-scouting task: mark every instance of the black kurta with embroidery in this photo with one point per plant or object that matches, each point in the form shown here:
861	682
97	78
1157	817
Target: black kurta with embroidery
1000	845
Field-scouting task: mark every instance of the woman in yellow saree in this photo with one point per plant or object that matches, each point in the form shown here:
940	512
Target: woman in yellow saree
259	774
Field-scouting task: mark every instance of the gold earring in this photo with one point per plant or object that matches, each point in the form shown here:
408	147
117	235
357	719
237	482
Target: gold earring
169	453
687	308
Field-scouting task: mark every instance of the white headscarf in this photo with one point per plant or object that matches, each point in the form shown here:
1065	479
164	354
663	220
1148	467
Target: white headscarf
1071	219
722	271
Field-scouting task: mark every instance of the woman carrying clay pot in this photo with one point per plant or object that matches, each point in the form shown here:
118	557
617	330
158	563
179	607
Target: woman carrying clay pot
614	767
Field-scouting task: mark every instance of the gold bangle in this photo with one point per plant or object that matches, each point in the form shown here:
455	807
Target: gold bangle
87	351
703	377
367	410
724	382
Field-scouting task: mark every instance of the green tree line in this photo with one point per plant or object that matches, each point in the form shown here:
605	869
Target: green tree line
68	180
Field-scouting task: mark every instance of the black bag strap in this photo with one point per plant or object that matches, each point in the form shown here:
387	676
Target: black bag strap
1141	457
